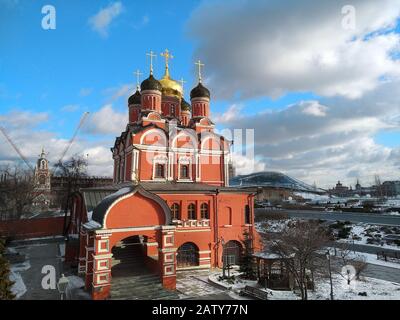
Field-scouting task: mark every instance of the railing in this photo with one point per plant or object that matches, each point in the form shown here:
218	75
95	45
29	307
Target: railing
192	223
388	256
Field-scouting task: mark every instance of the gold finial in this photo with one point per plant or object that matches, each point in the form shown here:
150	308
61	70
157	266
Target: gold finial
151	55
167	56
137	73
182	84
199	66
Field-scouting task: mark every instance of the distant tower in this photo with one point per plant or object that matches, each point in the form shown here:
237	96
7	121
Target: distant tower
42	173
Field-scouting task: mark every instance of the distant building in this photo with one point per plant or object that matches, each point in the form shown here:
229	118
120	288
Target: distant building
390	188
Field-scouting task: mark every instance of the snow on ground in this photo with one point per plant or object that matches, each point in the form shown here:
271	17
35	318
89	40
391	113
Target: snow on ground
313	196
272	225
363	289
18	287
374	288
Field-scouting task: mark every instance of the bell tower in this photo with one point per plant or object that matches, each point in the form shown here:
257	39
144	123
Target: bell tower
42	173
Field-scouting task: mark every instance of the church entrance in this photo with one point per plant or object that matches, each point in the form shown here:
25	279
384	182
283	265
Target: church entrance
133	272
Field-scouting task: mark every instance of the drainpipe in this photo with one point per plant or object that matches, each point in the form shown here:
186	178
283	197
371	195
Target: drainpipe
216	225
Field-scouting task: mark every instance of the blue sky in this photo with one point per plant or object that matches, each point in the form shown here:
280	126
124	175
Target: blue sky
62	73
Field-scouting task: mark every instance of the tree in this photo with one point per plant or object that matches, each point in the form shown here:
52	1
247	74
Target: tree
300	244
5	282
17	191
247	260
72	171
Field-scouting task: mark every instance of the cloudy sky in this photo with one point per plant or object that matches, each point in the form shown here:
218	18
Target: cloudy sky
317	81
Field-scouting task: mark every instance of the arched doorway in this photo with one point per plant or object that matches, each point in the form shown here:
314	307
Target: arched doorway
232	252
188	255
128	257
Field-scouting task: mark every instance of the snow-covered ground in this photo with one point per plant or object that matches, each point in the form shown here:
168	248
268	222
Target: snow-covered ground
373	288
18	287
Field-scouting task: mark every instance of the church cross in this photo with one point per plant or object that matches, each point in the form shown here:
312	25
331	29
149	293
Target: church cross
137	73
151	55
182	82
199	66
167	56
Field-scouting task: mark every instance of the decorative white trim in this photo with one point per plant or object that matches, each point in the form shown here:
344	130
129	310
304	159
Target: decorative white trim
101	231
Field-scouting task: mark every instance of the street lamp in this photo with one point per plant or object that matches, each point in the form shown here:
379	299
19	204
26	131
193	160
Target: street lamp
328	257
62	285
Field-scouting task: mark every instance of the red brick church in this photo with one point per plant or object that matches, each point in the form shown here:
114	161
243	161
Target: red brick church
171	202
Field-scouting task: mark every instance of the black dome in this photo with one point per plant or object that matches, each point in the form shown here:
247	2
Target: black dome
185	106
200	92
135	98
151	83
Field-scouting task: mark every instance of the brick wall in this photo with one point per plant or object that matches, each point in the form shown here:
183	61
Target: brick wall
32	228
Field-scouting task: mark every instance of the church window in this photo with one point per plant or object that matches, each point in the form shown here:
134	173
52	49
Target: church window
192	212
172	110
184	171
204	211
247	214
160	170
175	212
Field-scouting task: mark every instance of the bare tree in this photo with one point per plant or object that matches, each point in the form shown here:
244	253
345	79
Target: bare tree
72	171
300	244
17	191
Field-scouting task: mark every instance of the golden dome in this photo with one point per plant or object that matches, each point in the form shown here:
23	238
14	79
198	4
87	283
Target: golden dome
170	87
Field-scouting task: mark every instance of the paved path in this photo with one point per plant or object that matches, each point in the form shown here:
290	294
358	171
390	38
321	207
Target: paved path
365	248
39	255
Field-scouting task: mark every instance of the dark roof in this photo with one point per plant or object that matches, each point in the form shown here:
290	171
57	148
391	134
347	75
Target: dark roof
94	197
151	83
185	105
199	92
135	98
101	209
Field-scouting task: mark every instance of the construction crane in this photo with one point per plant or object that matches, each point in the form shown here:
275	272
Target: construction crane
85	115
16	148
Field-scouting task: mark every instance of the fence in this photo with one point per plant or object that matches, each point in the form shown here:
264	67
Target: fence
32	228
389	256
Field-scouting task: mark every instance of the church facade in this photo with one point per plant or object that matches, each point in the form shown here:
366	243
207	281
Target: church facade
171	196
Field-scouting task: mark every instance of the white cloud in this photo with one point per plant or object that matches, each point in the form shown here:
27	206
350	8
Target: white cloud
23	119
30	141
70	108
84	92
279	46
313	108
330	147
107	121
101	21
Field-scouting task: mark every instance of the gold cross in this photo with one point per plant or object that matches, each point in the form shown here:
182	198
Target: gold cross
151	55
138	74
199	65
167	56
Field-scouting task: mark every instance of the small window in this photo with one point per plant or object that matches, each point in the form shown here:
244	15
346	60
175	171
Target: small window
184	171
172	110
247	219
192	212
175	212
204	211
160	170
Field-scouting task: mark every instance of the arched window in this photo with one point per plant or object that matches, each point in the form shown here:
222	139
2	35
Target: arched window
160	170
172	110
204	211
175	212
192	212
184	171
188	255
247	219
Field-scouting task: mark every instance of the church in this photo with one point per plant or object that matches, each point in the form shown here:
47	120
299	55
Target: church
170	206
